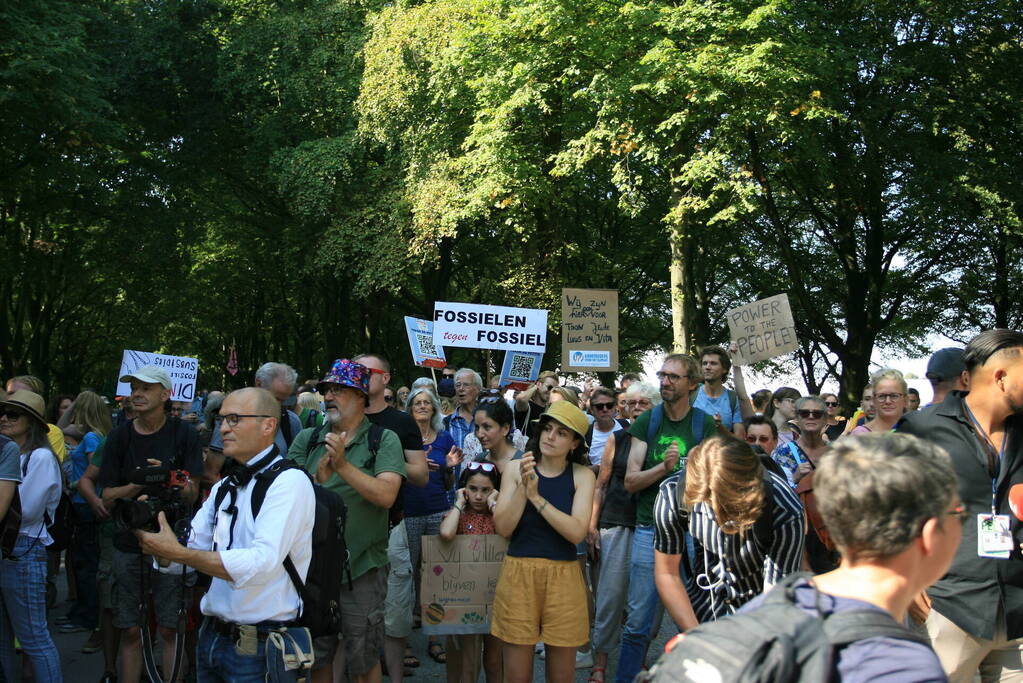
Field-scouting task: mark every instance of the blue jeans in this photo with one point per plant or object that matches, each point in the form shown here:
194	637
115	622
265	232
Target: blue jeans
643	603
23	613
217	660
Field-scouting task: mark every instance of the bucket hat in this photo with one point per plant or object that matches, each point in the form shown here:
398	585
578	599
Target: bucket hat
347	373
29	402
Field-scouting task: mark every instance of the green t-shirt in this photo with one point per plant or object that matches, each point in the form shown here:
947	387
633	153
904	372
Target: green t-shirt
366	526
670	431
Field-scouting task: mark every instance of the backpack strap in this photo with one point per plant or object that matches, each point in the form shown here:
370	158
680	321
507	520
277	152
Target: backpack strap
733	400
262	484
654	426
314	439
796	455
373	439
623	423
285	425
844	628
589	436
699	417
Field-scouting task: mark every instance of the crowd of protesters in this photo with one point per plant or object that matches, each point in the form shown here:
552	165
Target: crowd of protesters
689	497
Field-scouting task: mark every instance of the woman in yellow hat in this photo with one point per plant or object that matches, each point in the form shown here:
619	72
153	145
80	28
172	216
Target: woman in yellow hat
544	508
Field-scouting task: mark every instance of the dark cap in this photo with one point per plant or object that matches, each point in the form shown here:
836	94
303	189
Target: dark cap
945	364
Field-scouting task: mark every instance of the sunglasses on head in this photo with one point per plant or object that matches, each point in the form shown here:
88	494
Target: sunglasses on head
813	414
485	466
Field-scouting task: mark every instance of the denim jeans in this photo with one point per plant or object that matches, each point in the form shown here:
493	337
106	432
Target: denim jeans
23	613
612	586
217	660
643	605
85	554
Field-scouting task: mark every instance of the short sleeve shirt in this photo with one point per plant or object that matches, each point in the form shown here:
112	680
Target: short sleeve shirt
722	405
366	531
10	469
680	432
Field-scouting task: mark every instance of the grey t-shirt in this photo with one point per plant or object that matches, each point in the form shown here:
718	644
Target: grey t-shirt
10	469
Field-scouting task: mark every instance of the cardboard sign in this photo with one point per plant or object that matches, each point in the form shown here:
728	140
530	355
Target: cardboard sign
589	335
520	369
420	340
459	579
762	330
476	326
183	372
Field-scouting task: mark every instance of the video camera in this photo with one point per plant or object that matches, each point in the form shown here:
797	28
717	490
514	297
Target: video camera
164	487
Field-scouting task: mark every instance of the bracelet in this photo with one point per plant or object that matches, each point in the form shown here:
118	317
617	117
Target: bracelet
540	509
459	509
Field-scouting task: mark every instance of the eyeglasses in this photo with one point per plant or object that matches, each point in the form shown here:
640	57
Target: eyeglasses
389	399
764	439
232	419
670	376
813	414
959	513
603	406
485	466
464	385
12	414
831	404
887	398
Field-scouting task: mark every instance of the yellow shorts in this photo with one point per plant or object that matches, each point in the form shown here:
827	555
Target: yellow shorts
541	600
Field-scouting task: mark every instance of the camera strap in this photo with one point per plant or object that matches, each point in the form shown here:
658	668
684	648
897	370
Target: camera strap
147	637
239	478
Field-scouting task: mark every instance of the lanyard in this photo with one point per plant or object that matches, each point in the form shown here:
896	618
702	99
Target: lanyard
993	468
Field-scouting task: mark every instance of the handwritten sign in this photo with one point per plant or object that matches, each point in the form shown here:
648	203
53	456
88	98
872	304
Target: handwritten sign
477	326
762	330
420	339
589	329
183	372
459	579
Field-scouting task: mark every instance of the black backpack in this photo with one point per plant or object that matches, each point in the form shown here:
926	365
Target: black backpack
321	590
775	643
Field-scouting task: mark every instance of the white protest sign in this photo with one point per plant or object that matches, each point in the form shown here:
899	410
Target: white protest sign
183	372
762	330
477	326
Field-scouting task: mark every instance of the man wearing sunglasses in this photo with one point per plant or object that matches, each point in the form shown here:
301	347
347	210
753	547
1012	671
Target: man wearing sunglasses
976	616
602	407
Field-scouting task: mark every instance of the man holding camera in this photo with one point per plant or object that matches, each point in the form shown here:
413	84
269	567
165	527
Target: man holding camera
251	595
148	448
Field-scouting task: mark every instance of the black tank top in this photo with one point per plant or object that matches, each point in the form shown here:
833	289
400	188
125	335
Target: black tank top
534	536
619	507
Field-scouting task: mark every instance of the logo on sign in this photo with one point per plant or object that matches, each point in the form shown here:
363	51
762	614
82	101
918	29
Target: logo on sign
591	359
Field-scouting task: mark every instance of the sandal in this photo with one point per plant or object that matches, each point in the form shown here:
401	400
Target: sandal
410	660
436	652
593	678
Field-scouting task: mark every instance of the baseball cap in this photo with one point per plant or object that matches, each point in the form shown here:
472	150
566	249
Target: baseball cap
149	374
945	364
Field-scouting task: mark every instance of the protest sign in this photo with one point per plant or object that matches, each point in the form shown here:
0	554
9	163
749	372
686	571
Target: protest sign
589	337
762	330
459	578
183	372
520	369
420	339
477	326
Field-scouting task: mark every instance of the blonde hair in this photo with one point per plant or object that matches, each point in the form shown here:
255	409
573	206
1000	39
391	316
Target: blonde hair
309	400
566	394
726	474
92	413
890	374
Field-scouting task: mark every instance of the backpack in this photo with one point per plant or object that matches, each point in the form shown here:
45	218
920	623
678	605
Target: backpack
321	590
62	525
776	642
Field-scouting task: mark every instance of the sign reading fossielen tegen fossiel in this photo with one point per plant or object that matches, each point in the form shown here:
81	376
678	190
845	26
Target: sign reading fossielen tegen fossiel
478	326
763	329
589	329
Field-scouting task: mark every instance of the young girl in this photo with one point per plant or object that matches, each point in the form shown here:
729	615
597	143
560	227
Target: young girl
473	514
544	508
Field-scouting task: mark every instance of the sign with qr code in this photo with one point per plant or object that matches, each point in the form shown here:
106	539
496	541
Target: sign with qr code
420	340
478	326
520	369
589	335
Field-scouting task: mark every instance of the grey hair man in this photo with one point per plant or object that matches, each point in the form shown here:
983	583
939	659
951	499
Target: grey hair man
468	385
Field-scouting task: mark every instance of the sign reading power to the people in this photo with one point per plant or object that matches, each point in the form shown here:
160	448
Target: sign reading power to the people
477	326
763	329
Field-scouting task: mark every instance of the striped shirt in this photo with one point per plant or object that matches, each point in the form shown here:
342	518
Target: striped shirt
728	569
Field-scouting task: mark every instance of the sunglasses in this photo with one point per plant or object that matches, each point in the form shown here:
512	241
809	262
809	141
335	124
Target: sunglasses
758	439
603	406
485	466
12	414
376	371
831	404
813	414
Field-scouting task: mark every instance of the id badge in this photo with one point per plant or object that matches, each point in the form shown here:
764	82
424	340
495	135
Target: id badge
993	536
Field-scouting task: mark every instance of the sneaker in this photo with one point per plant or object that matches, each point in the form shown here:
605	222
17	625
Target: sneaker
93	644
109	677
584	660
73	628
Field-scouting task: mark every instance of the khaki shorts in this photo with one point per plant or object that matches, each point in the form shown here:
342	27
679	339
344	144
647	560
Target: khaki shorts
401	588
362	625
167	592
541	600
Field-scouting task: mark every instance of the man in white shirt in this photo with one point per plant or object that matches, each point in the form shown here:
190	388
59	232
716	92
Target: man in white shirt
251	587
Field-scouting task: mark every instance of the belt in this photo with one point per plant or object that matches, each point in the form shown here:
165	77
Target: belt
233	631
